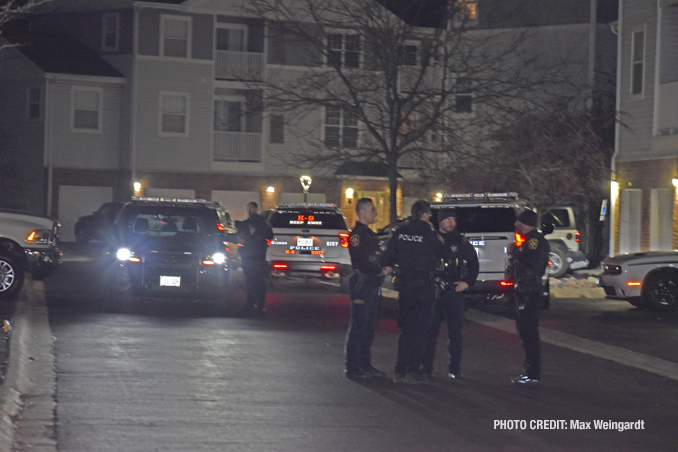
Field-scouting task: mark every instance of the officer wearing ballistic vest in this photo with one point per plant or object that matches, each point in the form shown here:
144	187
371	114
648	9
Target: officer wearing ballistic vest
459	272
526	267
417	250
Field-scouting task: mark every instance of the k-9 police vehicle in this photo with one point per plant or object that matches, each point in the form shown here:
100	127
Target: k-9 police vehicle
310	241
487	221
166	248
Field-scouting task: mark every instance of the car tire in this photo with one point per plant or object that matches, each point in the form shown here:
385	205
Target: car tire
660	291
11	277
559	266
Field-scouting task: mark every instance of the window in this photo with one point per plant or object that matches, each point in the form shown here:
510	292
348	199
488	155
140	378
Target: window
341	128
463	102
409	56
176	37
229	115
86	112
232	38
343	50
174	113
467	10
277	129
34	103
637	60
110	30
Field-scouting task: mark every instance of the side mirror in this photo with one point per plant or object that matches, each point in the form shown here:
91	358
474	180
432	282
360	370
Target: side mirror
546	228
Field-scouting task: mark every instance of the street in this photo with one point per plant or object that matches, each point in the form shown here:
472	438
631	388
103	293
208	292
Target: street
172	377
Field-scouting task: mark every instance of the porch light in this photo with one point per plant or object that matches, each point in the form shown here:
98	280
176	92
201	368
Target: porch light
349	193
674	181
271	189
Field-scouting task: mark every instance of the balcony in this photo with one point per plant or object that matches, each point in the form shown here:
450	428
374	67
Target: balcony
238	65
408	78
412	160
236	147
667	111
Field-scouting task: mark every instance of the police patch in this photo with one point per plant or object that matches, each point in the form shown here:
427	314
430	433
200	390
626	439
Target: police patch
355	240
533	244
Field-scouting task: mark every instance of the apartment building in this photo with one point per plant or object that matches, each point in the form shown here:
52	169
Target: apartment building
645	167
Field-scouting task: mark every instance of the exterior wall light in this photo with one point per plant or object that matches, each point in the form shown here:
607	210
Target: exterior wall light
349	193
271	189
674	181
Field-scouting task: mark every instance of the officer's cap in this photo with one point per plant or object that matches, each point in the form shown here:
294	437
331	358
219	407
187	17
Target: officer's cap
528	218
446	213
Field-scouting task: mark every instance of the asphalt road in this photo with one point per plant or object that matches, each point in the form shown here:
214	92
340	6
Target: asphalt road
175	378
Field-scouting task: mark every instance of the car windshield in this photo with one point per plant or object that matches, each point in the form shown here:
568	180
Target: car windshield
161	221
307	218
485	219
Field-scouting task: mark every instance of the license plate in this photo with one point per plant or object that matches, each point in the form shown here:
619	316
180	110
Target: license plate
304	242
170	281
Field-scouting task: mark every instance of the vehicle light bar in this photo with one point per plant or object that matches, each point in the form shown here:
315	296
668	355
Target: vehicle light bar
154	199
506	195
307	204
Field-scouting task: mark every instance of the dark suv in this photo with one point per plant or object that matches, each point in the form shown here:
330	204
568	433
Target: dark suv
94	227
171	248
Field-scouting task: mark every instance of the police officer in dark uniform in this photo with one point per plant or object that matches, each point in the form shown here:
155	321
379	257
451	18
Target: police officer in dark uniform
526	267
364	284
254	234
459	272
417	250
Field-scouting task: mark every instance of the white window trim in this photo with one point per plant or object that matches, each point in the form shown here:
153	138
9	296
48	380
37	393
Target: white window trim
344	33
29	103
186	19
116	46
100	122
634	31
161	132
228	26
341	130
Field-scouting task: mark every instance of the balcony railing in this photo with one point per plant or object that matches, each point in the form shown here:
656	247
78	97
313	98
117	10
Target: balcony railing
408	78
239	65
667	113
237	147
412	160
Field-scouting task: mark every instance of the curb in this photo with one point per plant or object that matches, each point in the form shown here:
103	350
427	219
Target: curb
27	404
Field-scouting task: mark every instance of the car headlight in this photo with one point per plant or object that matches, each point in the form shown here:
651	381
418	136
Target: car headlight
40	236
123	254
219	258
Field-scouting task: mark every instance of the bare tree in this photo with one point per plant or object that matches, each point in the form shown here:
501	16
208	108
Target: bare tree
357	83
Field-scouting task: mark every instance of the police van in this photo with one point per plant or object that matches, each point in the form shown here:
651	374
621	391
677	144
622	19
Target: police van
310	242
487	221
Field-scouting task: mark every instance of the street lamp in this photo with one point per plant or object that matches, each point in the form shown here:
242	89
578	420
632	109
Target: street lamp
306	182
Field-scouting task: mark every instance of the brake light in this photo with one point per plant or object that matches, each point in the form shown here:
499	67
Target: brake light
505	283
343	239
280	266
633	283
220	227
519	240
577	237
328	267
268	242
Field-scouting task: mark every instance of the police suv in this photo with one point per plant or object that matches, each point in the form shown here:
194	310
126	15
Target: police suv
310	241
487	221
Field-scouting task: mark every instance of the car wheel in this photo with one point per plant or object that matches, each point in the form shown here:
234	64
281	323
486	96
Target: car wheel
81	236
11	277
559	265
661	291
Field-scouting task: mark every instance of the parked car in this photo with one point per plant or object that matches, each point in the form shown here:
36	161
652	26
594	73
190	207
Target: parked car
95	226
564	240
646	280
310	241
28	244
170	248
487	221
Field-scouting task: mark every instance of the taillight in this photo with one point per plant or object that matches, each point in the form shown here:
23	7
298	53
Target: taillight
343	239
329	268
279	266
505	283
577	237
519	240
268	242
220	227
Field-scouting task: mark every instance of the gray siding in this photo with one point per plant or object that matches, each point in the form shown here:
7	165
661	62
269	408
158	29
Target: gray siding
155	152
669	46
635	136
84	150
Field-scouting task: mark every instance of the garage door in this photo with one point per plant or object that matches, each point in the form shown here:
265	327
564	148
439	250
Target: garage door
236	201
76	201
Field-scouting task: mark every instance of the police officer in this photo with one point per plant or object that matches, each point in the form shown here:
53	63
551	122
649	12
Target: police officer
459	272
526	268
254	234
417	249
364	284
